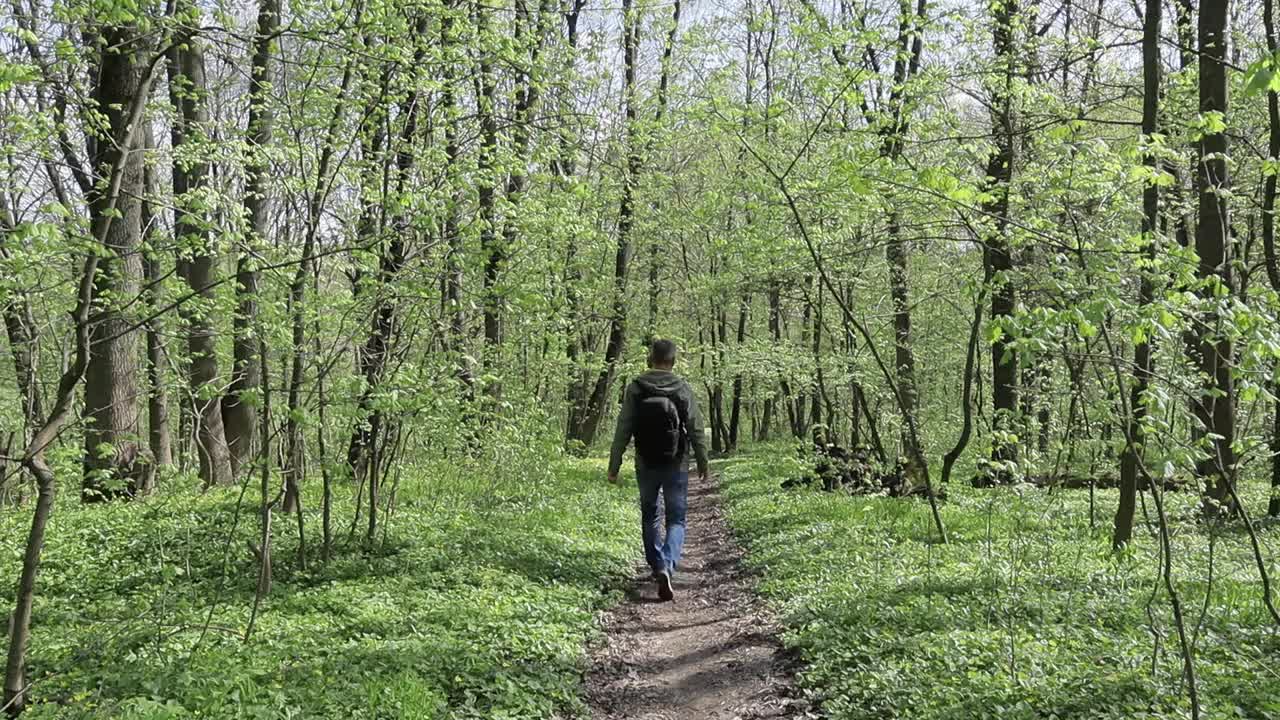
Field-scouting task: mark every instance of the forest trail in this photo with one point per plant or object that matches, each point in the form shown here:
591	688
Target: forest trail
712	654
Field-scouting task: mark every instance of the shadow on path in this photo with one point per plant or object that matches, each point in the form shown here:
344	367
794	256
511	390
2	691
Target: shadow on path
712	654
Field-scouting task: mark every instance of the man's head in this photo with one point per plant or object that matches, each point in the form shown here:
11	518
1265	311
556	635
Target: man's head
662	355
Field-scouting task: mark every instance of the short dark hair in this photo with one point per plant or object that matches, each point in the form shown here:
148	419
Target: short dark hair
662	352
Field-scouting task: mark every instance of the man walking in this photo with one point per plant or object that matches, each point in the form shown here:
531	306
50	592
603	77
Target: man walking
660	413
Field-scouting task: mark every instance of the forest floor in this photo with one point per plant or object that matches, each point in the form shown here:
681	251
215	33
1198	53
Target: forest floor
1025	614
475	603
713	653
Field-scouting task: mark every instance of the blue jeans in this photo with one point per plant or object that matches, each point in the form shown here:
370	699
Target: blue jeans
673	483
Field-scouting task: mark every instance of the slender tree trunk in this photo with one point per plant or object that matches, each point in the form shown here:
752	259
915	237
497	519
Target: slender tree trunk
188	90
799	409
966	392
1215	408
454	306
240	413
1273	505
735	405
528	96
292	470
655	244
774	298
1135	439
21	330
486	190
158	433
819	385
565	166
264	486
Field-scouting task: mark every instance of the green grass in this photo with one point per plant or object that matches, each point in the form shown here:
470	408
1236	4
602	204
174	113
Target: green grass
1026	614
478	605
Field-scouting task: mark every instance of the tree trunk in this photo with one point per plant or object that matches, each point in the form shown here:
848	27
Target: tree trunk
1215	408
819	385
188	90
774	298
565	167
486	190
1269	240
735	405
21	330
893	135
158	433
904	355
111	374
1000	172
292	470
1135	439
454	307
1273	505
240	413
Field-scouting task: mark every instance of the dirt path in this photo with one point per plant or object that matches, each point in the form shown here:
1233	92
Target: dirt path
712	654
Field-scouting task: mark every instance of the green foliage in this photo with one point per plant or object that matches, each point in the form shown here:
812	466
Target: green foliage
1026	614
477	604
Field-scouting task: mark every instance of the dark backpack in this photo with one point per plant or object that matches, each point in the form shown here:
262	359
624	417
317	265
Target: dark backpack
660	429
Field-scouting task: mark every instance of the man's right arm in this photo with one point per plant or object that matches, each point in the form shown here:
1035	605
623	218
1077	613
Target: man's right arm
622	433
696	436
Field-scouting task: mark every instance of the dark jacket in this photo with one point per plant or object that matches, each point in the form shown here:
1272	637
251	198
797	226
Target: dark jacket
658	382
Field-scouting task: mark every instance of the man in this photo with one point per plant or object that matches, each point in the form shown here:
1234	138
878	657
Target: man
659	412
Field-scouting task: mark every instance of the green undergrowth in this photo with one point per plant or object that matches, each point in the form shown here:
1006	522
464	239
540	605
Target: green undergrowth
1025	614
477	602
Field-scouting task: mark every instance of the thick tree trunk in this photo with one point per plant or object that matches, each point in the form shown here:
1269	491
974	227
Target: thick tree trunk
1000	172
239	413
1269	240
111	375
616	343
904	355
893	135
1215	408
1135	439
188	91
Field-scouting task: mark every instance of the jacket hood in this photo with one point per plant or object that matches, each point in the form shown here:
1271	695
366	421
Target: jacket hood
660	382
